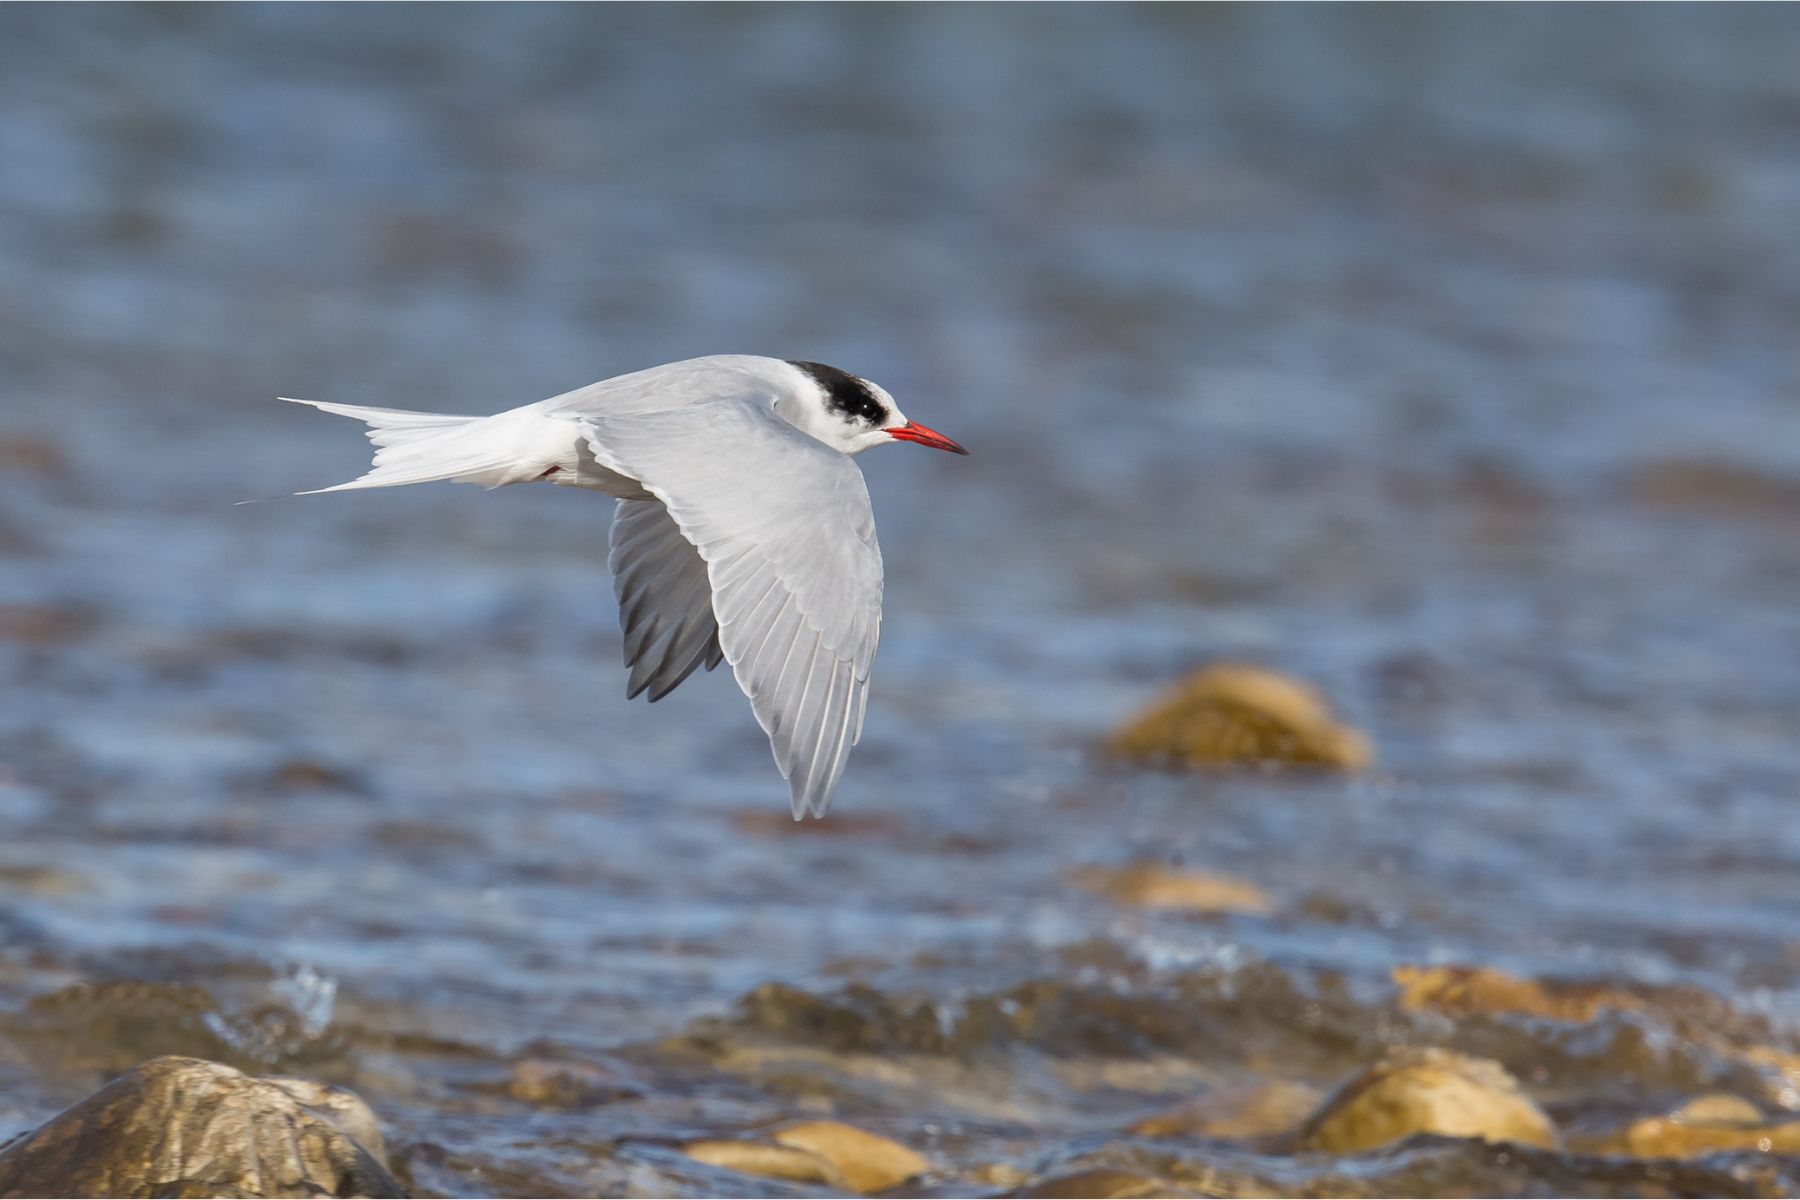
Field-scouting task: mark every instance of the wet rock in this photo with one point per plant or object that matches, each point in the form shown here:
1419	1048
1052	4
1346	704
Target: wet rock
1467	1167
187	1127
552	1084
857	1020
1137	1168
1152	885
1102	1182
105	1027
1252	1111
1424	1090
998	1177
1778	1070
1708	1124
771	1160
838	1156
343	1108
1232	714
866	1162
1466	991
1717	1108
1213	1010
1683	1037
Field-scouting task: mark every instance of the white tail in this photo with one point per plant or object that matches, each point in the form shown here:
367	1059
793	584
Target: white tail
417	447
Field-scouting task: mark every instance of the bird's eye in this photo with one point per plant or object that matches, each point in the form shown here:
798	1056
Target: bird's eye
863	410
846	395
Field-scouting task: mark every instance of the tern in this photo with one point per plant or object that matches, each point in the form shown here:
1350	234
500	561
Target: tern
742	530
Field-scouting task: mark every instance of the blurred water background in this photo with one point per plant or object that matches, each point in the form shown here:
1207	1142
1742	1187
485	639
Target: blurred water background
1442	357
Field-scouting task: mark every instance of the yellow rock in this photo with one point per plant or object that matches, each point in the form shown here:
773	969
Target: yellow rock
998	1176
867	1163
1779	1070
1462	991
1252	1111
1718	1108
1102	1183
1659	1137
556	1084
1786	1062
1151	885
1419	1090
1705	1125
767	1159
1232	714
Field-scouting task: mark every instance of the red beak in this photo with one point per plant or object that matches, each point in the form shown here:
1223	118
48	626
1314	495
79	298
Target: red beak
912	431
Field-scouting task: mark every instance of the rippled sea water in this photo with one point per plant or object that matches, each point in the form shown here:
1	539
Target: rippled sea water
1444	358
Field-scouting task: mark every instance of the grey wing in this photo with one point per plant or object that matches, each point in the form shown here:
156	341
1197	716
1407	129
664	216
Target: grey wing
665	599
784	526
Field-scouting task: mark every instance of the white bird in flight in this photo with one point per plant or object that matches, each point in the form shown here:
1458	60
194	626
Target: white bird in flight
742	532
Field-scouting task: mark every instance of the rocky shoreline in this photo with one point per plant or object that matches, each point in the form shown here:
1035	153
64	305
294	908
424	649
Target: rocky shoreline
1247	1080
1413	1119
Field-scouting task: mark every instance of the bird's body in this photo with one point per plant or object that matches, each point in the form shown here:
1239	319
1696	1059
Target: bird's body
742	533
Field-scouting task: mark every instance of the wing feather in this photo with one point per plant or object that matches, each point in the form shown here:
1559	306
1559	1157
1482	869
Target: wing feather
665	600
782	527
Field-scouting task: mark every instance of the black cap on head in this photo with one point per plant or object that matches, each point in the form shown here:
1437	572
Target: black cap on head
847	395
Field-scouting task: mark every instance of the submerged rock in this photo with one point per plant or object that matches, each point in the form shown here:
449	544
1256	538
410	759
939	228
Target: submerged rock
553	1084
867	1163
1232	714
1254	1111
839	1156
1779	1068
1718	1108
1152	885
103	1028
768	1159
1465	991
187	1127
997	1177
1708	1124
1424	1090
1101	1182
1468	1167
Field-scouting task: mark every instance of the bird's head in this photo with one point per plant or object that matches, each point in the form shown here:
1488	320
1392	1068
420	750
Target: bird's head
852	414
